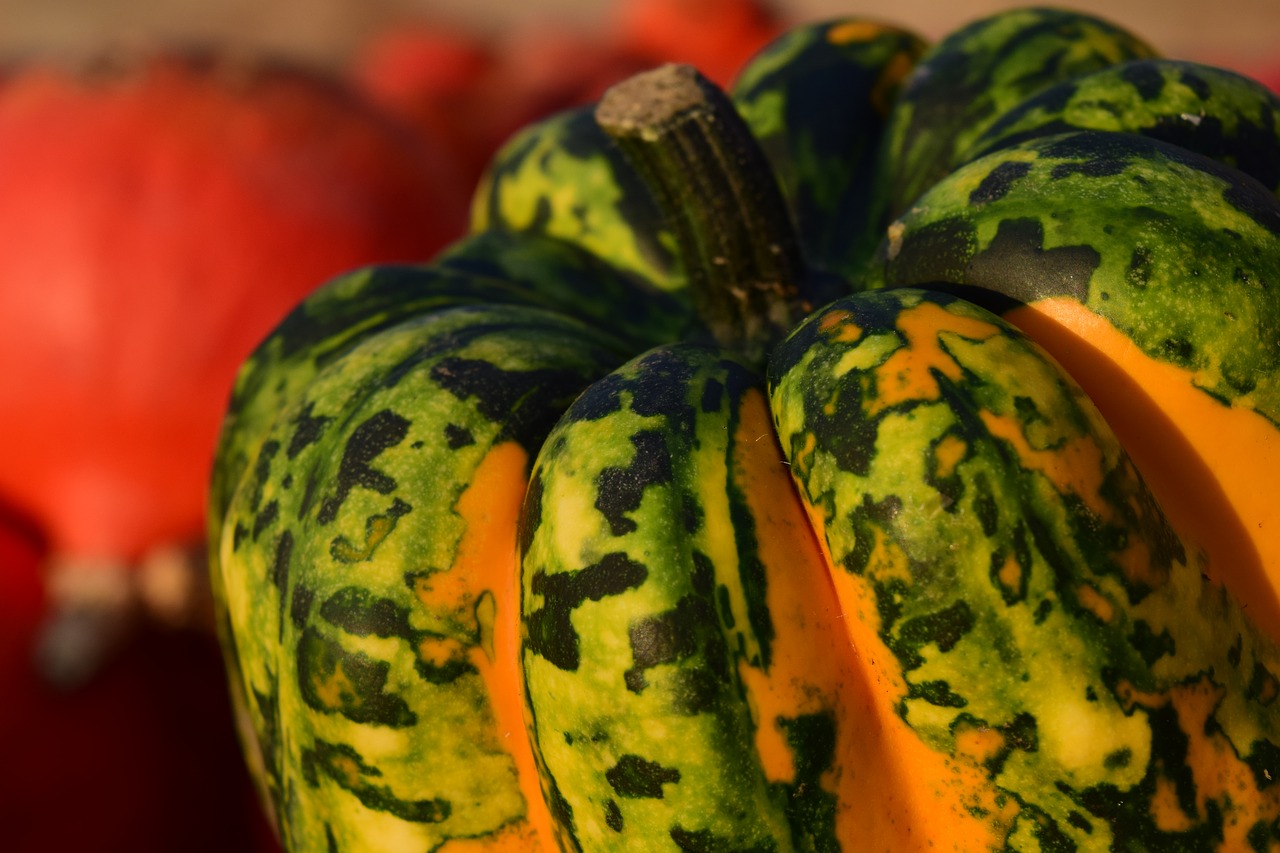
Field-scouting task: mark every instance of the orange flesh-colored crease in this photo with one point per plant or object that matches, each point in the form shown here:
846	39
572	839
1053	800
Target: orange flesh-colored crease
805	675
908	795
486	565
1212	467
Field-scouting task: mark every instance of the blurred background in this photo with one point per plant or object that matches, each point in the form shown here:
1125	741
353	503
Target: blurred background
331	31
161	215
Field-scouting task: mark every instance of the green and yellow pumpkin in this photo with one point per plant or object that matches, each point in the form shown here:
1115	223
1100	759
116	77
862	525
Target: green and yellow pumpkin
712	546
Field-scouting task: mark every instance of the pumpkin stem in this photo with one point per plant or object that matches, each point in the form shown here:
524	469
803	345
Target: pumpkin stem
707	172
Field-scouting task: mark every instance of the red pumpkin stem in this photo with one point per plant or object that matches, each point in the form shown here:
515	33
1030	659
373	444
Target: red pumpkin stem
686	139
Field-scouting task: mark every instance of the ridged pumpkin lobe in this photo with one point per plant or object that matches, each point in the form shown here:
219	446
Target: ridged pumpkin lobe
1212	466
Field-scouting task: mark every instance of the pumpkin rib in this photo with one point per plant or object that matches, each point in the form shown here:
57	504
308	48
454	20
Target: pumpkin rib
1213	488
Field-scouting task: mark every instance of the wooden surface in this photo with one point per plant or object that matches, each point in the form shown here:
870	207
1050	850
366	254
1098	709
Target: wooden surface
1231	32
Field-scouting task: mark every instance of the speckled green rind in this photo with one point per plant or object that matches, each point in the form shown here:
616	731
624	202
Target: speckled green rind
1211	111
817	99
336	316
575	282
482	269
968	80
360	675
644	598
1178	251
564	177
1024	584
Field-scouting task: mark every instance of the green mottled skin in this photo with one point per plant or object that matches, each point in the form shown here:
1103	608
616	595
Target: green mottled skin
1208	110
339	314
1178	251
565	178
493	267
638	615
348	504
817	99
573	281
1026	652
968	80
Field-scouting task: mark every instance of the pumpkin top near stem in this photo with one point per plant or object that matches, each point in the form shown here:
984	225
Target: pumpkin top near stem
708	174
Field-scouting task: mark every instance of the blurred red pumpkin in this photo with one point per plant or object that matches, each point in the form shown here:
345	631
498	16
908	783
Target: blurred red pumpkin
476	90
716	36
161	213
432	76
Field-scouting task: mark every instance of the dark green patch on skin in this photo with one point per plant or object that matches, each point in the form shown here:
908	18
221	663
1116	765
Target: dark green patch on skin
999	181
811	808
935	692
712	396
458	437
690	628
307	430
1121	758
1017	264
1150	645
1236	652
551	634
1047	832
1128	812
262	473
1143	77
357	611
866	519
706	841
938	251
634	777
620	490
300	606
1263	685
1261	836
943	628
329	674
562	816
1264	761
613	816
337	761
524	404
378	433
660	386
601	399
280	573
264	519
